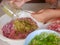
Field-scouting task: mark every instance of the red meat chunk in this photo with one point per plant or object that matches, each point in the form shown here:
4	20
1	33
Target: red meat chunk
54	25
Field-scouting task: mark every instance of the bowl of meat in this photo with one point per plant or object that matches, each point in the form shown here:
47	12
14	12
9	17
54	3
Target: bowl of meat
14	31
53	24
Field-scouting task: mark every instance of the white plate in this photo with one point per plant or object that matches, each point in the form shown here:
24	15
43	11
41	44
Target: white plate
5	19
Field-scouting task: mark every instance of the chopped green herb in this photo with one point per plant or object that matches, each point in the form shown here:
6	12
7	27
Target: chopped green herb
45	39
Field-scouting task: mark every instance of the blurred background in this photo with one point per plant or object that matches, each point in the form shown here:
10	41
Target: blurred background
33	5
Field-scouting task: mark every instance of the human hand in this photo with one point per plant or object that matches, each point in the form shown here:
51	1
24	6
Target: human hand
46	14
18	3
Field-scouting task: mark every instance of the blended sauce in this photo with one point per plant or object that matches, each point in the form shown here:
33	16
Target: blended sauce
19	28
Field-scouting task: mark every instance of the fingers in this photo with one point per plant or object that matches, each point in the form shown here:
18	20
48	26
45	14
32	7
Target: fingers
43	11
18	3
46	15
39	12
38	17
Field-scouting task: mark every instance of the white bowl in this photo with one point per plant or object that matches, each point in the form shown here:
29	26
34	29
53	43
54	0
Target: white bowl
5	19
37	32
